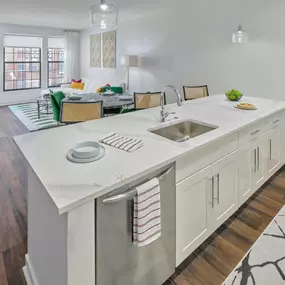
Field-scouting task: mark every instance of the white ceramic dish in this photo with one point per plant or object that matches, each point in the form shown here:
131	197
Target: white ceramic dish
109	93
126	98
74	97
245	108
86	150
74	159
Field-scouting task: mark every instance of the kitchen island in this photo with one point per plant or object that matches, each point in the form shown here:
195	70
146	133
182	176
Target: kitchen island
215	173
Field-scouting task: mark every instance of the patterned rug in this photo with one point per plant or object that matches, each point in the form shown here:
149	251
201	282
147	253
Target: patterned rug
265	262
28	115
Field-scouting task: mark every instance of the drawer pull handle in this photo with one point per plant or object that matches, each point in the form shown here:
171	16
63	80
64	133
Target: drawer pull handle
212	191
132	193
276	121
218	188
258	159
270	149
255	160
255	132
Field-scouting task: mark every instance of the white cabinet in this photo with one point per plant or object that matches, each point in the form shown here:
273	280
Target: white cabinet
252	167
274	151
207	198
225	189
204	201
246	169
192	228
282	142
259	162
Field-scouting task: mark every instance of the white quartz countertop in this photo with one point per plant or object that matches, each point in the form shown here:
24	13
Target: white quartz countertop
71	185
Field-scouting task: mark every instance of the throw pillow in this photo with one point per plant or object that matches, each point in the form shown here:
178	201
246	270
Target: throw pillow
77	81
75	85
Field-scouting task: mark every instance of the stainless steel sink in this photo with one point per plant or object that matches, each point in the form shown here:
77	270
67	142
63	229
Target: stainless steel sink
183	131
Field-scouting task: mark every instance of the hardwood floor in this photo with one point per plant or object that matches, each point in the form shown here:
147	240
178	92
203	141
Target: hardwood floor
210	264
13	201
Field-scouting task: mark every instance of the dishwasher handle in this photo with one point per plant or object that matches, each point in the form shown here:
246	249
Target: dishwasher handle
132	193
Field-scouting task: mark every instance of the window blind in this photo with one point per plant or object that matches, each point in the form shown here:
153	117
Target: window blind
22	41
55	42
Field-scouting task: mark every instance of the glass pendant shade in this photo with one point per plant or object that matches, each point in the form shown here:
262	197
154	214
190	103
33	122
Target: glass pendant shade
104	16
240	36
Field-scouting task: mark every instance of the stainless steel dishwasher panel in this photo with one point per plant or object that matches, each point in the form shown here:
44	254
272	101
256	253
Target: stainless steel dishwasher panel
118	260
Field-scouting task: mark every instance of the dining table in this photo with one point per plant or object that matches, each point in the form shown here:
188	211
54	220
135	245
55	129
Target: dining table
110	101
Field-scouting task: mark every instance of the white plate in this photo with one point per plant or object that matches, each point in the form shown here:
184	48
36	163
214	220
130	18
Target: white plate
72	158
86	150
77	97
109	93
247	109
126	98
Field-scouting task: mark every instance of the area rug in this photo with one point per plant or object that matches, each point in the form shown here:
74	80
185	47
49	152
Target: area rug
265	262
28	115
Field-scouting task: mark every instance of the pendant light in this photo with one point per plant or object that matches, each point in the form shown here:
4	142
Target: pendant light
240	36
104	16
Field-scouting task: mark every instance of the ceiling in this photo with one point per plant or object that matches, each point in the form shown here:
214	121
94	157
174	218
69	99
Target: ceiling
67	14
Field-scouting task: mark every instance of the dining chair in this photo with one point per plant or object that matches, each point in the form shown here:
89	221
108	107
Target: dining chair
147	100
75	112
55	99
195	92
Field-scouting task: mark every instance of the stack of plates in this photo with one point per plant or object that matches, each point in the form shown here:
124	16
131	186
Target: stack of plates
74	97
109	93
86	152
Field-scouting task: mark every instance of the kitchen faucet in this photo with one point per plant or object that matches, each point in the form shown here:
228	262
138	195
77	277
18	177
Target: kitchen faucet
163	114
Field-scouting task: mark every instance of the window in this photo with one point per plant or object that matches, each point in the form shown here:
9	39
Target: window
22	68
22	62
55	66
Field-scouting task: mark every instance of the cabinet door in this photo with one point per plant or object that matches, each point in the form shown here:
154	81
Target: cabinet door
225	175
274	152
246	169
282	143
260	162
191	212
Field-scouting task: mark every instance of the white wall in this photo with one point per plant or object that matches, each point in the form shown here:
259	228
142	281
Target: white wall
47	236
192	46
13	97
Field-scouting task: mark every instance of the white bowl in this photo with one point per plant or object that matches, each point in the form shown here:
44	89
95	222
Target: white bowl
86	150
109	92
74	97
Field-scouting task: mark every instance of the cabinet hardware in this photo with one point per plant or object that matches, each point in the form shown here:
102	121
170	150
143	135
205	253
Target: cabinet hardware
218	187
270	149
258	158
255	132
132	193
254	154
212	191
252	159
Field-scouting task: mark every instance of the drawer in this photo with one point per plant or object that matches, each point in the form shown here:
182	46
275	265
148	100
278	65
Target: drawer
252	132
199	159
275	120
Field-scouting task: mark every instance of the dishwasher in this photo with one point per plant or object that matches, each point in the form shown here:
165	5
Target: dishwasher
118	260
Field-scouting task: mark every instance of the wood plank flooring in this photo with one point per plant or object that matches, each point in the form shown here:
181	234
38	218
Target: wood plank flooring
210	264
13	201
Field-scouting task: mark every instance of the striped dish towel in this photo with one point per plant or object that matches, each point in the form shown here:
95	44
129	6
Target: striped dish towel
147	213
123	143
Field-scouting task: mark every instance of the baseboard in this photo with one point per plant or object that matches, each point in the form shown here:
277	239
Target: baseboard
29	272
